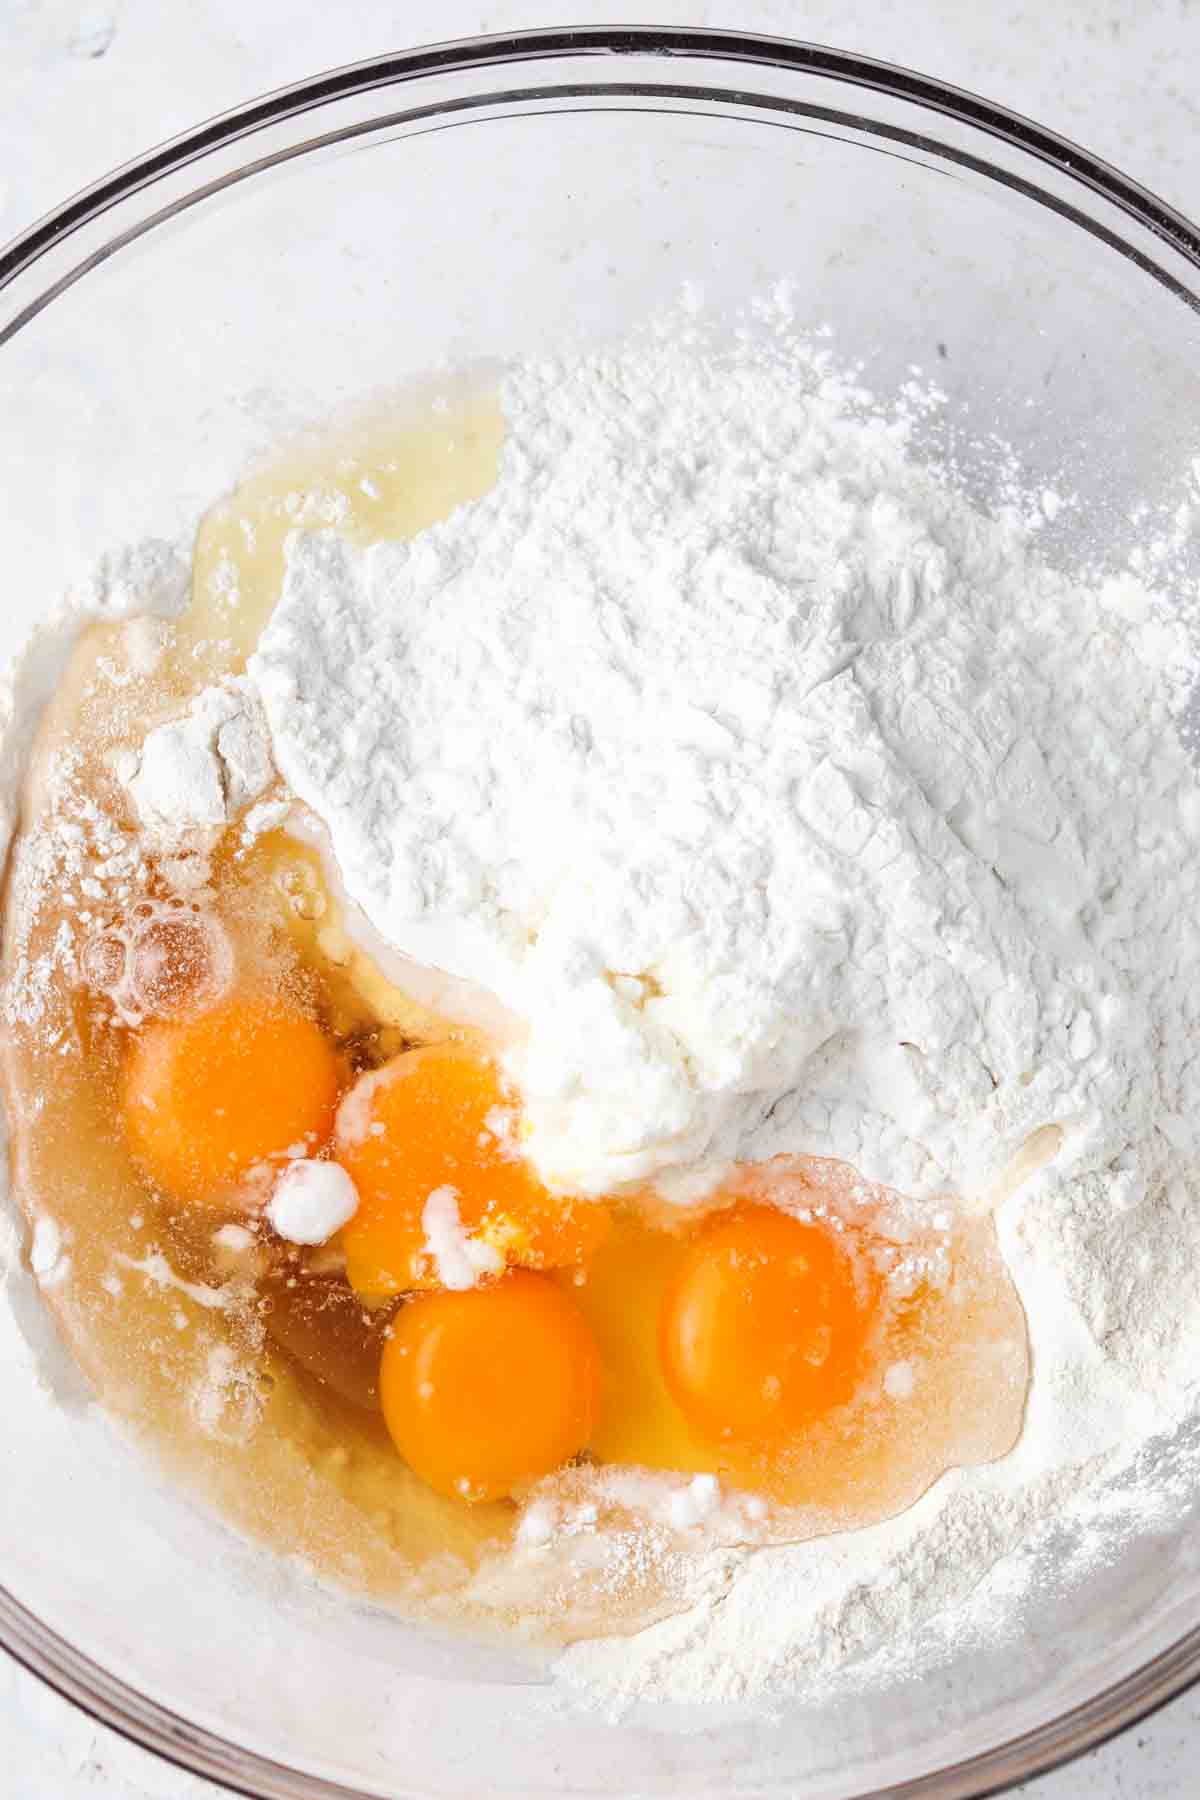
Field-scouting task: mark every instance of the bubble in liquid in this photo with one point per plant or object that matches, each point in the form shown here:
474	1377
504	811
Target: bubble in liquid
162	959
103	963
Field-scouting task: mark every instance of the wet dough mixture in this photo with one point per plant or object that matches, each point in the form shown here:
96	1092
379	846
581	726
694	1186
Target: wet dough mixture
346	1233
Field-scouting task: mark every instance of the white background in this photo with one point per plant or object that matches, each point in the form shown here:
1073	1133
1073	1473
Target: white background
86	84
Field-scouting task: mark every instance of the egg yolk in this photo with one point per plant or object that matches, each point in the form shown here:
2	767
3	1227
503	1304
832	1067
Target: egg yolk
439	1118
492	1387
205	1098
763	1329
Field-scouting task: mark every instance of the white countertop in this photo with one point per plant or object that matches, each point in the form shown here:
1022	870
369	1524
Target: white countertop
86	84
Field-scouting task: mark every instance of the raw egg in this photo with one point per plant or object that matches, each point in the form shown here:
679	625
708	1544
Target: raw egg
813	1339
763	1329
205	1098
440	1118
490	1388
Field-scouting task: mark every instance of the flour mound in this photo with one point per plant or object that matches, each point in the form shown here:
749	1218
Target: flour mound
794	803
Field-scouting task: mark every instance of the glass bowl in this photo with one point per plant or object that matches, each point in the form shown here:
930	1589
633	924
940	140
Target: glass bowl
472	201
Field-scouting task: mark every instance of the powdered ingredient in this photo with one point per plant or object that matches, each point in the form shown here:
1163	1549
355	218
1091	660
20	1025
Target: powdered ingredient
202	770
796	805
311	1201
788	799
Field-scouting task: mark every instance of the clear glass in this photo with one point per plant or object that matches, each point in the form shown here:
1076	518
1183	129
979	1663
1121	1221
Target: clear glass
472	201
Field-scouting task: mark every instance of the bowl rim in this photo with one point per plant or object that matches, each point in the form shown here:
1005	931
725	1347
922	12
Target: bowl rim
39	1648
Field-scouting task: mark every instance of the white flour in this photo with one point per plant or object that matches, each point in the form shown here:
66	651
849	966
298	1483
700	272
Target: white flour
458	1259
200	771
795	806
310	1201
789	800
